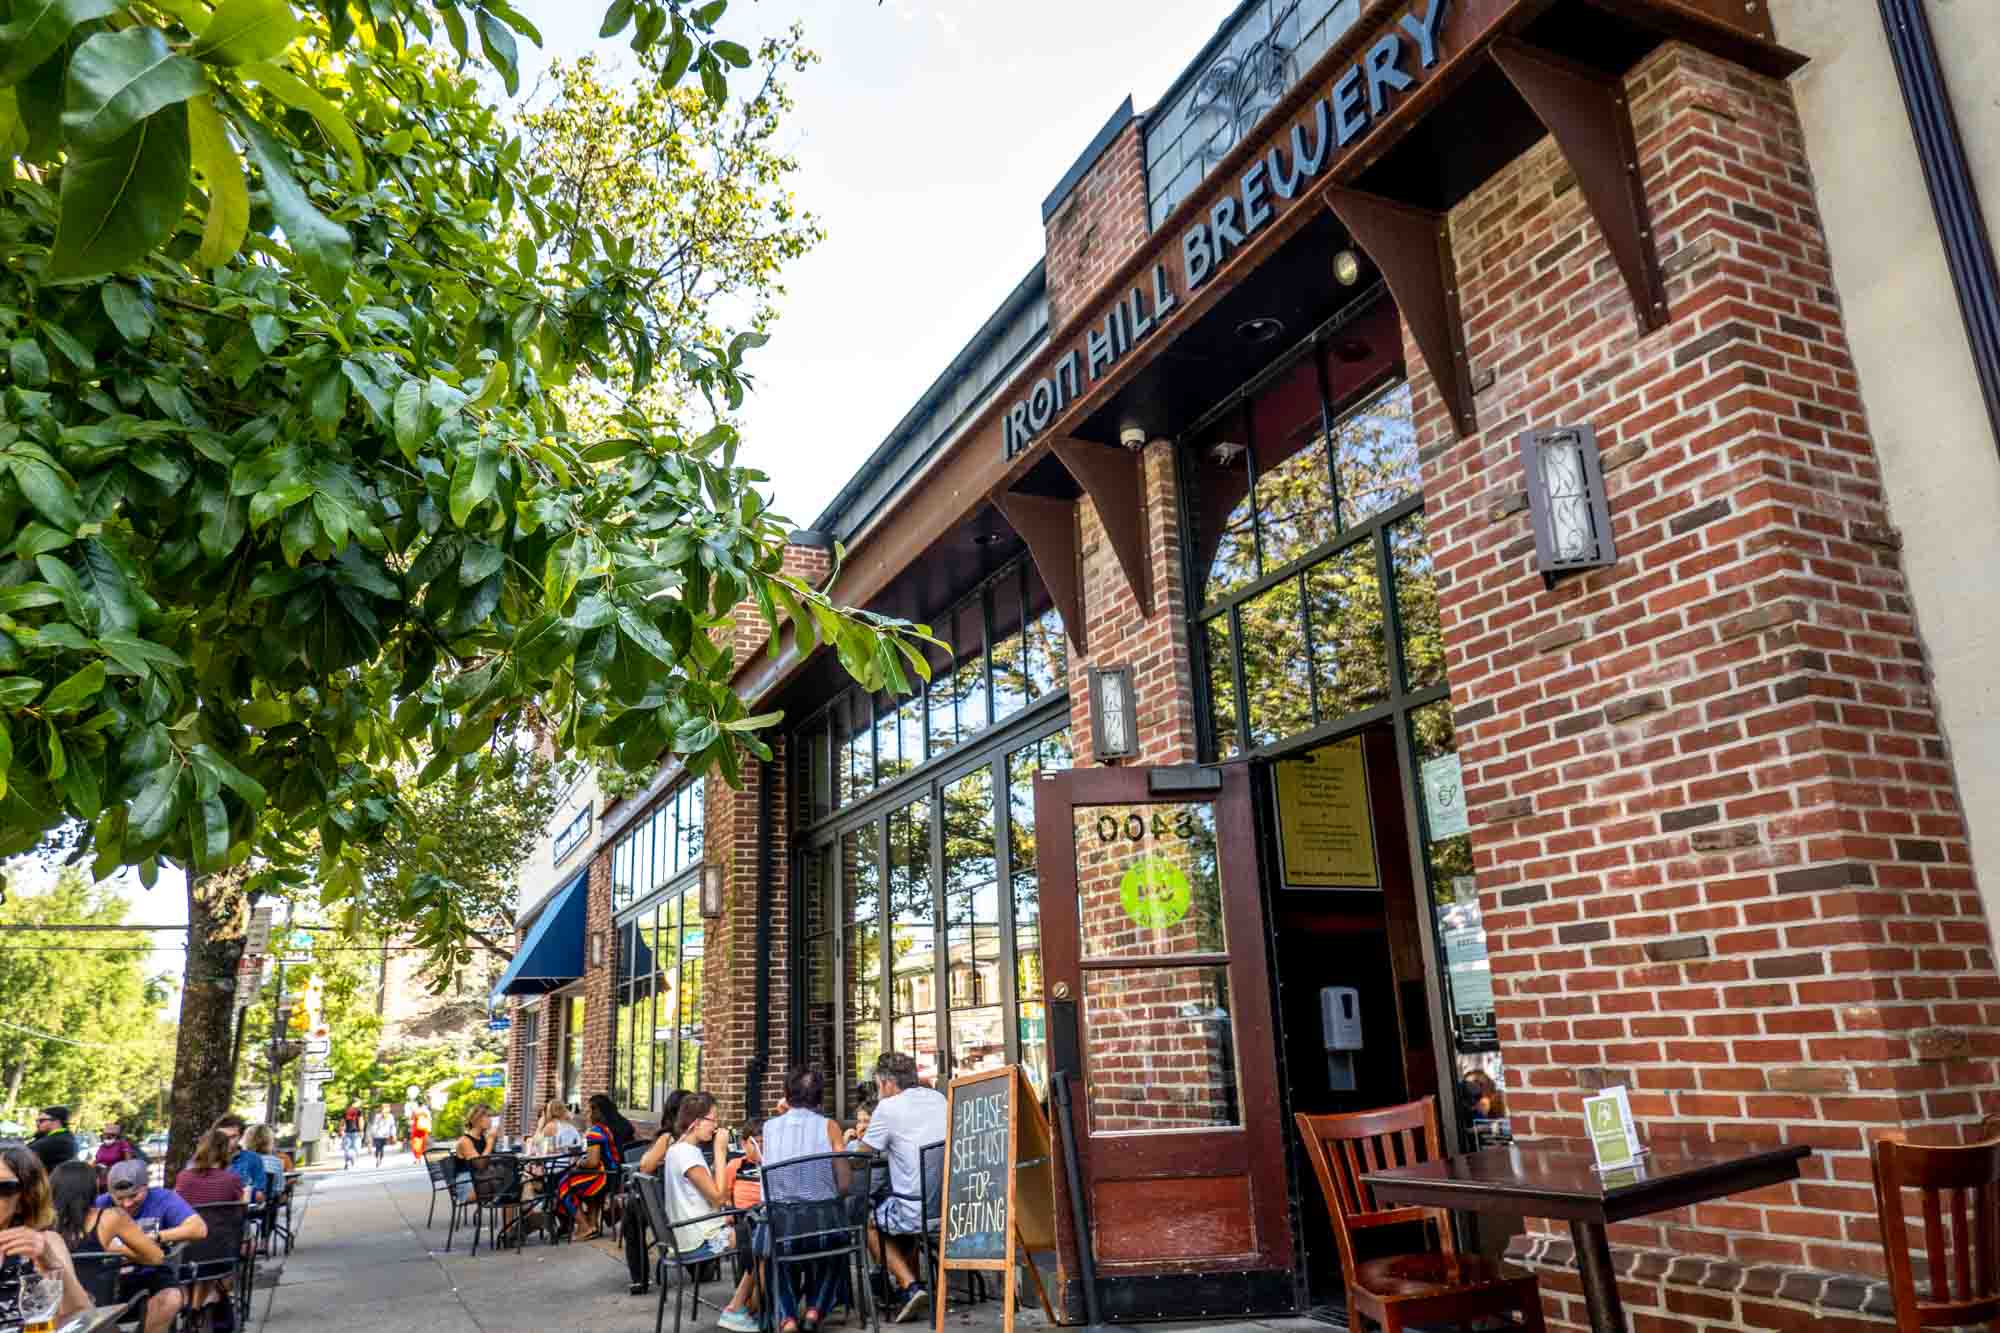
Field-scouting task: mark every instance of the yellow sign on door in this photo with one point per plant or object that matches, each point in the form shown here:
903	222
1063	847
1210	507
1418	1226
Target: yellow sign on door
1326	832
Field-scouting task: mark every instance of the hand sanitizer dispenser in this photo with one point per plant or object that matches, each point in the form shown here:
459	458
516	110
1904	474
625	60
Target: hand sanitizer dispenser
1340	1033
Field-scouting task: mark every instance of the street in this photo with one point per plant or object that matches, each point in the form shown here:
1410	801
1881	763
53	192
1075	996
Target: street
365	1262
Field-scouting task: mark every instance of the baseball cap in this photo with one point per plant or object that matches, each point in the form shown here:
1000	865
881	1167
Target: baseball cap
128	1174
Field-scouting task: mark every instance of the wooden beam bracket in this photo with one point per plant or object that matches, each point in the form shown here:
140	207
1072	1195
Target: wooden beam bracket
1048	527
1412	248
1587	115
1115	481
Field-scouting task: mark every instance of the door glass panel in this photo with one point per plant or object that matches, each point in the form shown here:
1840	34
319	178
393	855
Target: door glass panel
1049	754
692	949
1221	687
1161	1050
861	881
820	920
667	1002
1416	603
1461	929
1010	676
1147	880
972	926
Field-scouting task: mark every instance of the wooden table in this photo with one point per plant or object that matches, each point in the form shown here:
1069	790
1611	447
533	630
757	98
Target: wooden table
1558	1178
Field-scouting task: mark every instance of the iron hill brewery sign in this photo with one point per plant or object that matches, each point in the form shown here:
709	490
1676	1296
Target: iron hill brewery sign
1358	95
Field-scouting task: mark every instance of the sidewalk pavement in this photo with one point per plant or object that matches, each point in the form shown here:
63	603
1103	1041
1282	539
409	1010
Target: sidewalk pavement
366	1263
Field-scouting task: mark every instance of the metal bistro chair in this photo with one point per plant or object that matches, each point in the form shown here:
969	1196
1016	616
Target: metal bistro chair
496	1187
816	1212
1962	1183
930	1164
1433	1287
218	1257
456	1170
672	1261
434	1163
98	1271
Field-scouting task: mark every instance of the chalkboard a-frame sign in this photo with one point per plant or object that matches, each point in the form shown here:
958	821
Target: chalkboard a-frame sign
999	1183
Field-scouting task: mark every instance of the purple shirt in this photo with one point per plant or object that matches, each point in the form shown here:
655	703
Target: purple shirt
170	1208
113	1151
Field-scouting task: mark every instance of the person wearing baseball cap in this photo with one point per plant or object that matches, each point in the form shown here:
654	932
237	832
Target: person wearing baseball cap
159	1211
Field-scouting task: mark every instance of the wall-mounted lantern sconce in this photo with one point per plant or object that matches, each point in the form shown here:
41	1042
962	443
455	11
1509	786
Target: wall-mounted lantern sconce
597	948
1114	730
1566	503
711	889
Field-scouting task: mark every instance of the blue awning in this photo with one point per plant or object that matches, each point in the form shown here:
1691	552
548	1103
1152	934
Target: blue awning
552	955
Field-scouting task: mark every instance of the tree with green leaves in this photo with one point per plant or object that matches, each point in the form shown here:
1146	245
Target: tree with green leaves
289	501
81	1010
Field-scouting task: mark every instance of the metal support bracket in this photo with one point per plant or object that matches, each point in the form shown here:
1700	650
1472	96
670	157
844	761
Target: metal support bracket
1115	481
1412	248
1591	123
1048	526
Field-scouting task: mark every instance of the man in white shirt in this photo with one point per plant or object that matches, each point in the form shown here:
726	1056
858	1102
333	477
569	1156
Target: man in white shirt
908	1119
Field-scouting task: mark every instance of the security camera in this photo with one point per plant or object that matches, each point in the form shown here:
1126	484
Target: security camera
1132	437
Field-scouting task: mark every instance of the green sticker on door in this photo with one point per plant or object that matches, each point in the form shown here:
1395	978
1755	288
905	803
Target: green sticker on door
1155	892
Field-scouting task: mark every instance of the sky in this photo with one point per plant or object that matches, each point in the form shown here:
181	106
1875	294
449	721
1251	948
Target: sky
927	138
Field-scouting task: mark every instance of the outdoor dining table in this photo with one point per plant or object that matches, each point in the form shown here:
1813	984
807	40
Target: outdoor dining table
545	1169
1558	1179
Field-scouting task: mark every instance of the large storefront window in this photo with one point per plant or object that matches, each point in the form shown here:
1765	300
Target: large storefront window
1007	653
919	922
658	1036
572	1049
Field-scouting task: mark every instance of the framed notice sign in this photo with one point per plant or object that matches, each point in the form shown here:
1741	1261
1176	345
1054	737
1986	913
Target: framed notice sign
999	1184
1326	832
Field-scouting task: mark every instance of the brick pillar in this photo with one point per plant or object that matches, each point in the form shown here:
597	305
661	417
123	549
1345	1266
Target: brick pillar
1718	844
1155	646
1099	224
599	980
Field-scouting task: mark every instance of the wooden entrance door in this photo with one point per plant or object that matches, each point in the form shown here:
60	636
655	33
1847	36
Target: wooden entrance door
1160	1009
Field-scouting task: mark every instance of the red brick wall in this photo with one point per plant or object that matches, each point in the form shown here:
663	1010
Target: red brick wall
1718	846
598	981
1099	224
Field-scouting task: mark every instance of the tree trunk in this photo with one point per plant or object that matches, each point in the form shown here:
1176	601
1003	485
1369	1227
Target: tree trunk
14	1077
203	1089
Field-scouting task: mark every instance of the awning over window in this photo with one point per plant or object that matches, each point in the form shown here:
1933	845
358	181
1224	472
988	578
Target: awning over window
552	955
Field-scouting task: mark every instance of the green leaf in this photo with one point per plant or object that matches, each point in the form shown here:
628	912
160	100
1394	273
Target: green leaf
679	55
615	18
644	636
409	413
121	200
323	247
117	79
473	480
29	362
18	691
38	28
498	44
128	311
51	493
73	351
481	560
228	195
208	834
302	96
75	692
229	775
735	53
152	810
106	587
27	596
6	755
244	30
269	331
13	128
58	761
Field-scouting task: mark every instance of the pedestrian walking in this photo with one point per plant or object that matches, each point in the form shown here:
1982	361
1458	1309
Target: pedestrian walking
420	1132
350	1133
381	1129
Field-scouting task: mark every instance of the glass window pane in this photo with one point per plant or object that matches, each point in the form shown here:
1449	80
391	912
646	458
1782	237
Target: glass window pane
1147	879
889	762
861	886
969	683
1295	502
913	943
1225	529
910	897
1277	697
943	699
972	926
1350	656
691	1001
819	922
694	828
1010	673
1375	456
843	754
1416	603
910	726
861	743
1160	1048
818	756
1221	687
1046	651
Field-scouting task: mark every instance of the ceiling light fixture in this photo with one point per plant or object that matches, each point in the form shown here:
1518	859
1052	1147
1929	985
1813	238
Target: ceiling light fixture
1347	268
1263	329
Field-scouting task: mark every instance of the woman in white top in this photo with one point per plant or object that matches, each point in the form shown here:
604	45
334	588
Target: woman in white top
556	1125
381	1129
690	1181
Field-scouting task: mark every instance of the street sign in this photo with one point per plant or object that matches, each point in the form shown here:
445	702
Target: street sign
319	1045
318	1071
257	940
496	1079
499	1024
249	977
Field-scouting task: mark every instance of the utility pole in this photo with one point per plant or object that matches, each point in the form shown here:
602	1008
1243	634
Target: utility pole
277	1028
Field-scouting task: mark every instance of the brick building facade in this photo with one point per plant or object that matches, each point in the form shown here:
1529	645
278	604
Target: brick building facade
1712	848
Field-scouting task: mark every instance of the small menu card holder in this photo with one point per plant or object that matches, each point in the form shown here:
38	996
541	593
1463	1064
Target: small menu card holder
1614	1138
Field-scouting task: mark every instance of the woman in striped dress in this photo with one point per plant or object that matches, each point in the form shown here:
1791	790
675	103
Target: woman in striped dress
585	1186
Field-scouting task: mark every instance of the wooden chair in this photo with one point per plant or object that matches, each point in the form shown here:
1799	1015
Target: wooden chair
1439	1286
1964	1183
